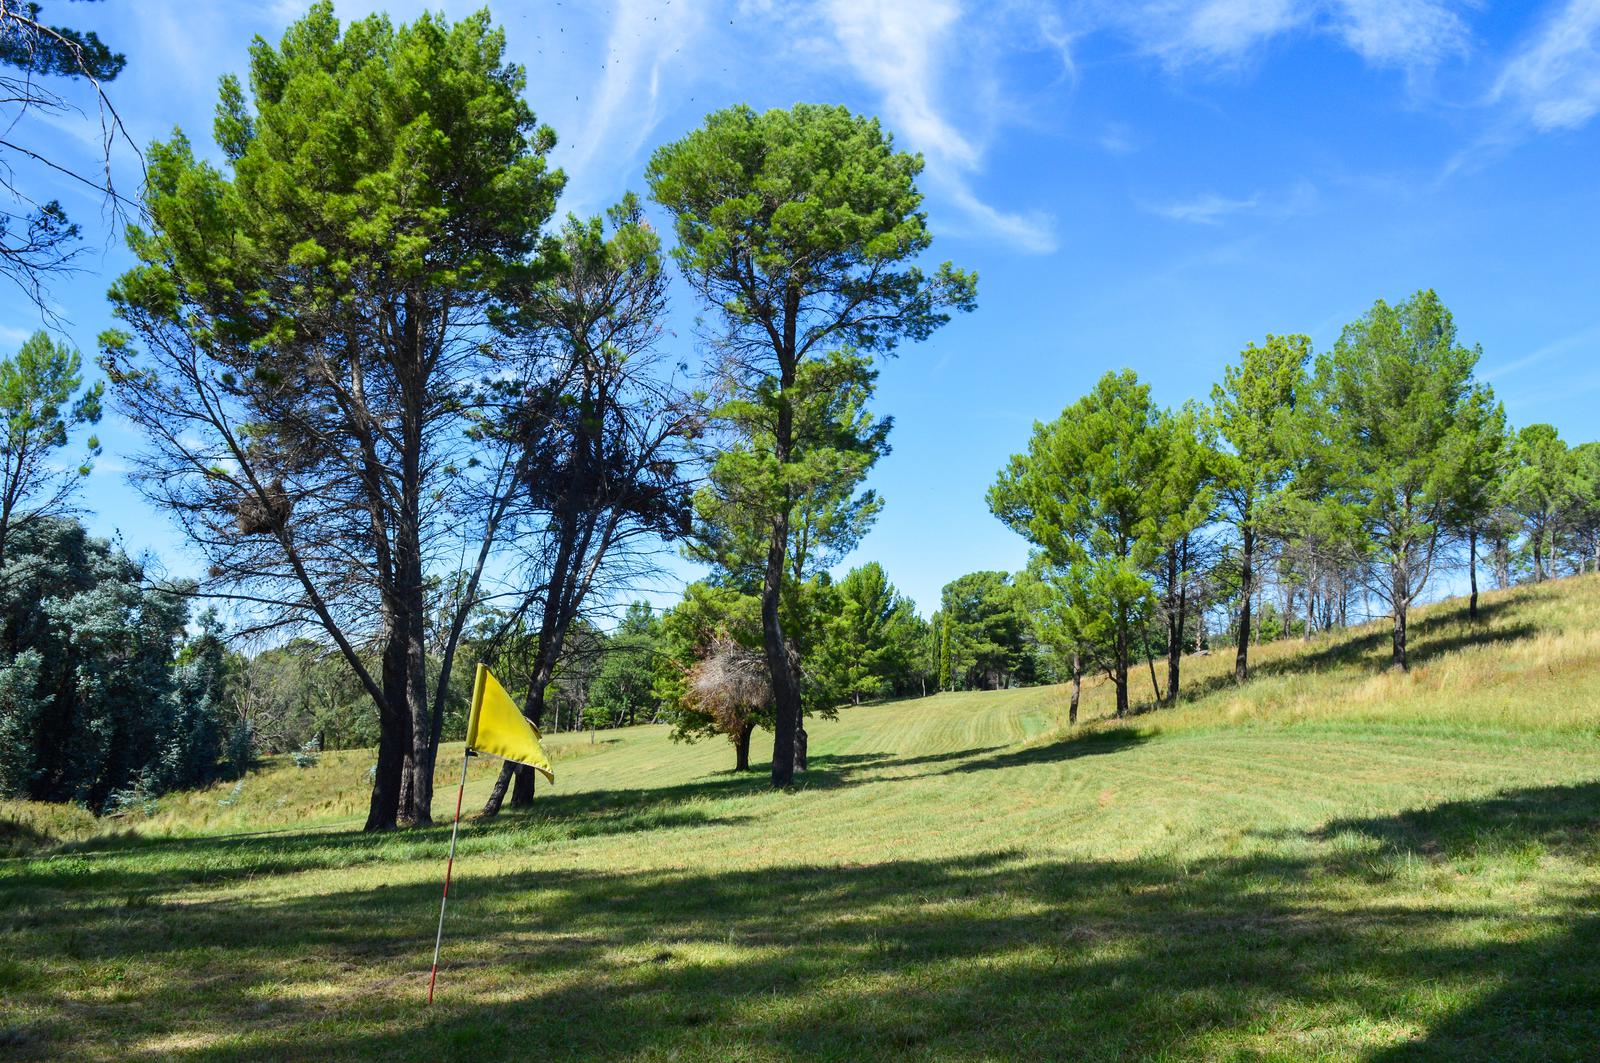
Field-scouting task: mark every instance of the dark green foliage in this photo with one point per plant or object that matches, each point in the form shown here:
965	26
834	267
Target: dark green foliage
983	622
1090	493
1257	413
314	316
621	692
812	204
836	442
689	631
28	44
90	701
871	639
1541	484
1582	524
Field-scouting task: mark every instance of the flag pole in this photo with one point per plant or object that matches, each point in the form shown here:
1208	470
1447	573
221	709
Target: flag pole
448	868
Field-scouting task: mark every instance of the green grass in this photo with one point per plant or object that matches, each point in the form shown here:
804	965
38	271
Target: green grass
1333	862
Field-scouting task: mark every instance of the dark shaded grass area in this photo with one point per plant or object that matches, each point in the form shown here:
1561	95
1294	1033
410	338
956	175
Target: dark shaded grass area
139	862
988	955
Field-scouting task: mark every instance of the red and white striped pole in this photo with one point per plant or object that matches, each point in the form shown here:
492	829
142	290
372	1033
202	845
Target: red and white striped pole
433	976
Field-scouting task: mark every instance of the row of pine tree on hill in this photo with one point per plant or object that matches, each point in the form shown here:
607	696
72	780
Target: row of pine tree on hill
1353	481
412	421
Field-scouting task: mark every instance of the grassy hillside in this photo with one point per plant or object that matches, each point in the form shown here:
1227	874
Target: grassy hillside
1335	861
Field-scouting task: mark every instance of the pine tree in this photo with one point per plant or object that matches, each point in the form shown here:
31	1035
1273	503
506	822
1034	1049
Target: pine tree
797	229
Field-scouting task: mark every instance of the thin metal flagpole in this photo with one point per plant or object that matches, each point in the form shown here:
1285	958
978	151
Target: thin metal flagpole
438	939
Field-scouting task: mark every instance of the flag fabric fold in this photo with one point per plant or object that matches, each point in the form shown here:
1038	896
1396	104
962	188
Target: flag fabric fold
497	728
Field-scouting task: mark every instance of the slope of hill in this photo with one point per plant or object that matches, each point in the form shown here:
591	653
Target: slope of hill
1332	861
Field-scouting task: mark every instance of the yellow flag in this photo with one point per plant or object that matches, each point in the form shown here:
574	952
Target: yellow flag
497	727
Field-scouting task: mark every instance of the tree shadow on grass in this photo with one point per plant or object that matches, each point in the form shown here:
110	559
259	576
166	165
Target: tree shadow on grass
985	955
1549	983
1094	743
1370	650
139	864
1564	819
120	863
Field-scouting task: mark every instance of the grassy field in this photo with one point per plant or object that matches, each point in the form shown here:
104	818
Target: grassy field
1333	862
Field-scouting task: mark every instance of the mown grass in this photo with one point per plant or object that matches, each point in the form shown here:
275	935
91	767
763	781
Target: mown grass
1333	862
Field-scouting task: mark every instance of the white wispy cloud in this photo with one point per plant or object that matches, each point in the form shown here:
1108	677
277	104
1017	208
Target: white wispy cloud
1117	139
1031	231
1411	33
1553	81
1400	32
1212	208
1182	33
901	48
894	46
626	101
1207	209
1583	339
12	336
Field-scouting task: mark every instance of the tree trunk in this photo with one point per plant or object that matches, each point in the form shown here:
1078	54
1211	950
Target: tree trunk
741	747
786	722
497	793
1241	664
1400	590
408	780
1150	660
1472	573
785	694
1077	688
1124	655
394	737
420	806
523	783
1178	568
801	742
411	377
526	779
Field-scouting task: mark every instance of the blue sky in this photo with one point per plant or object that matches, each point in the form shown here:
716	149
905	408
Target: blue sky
1143	184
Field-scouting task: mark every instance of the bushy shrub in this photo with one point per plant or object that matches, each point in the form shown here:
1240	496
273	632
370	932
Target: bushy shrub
307	755
93	706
